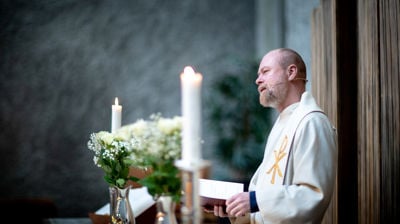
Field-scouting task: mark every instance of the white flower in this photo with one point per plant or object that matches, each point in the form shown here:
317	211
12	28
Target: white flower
157	138
106	137
112	153
139	127
124	133
168	126
95	160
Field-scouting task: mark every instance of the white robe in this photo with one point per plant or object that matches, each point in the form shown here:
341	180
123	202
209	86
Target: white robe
295	181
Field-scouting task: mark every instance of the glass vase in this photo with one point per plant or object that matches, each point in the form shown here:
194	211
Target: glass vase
165	210
120	207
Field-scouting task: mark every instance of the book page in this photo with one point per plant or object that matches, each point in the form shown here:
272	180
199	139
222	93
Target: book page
215	192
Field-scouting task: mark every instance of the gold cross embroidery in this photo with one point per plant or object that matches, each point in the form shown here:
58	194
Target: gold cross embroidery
278	156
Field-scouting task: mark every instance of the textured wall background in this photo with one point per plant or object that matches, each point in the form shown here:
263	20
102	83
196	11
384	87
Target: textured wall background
63	62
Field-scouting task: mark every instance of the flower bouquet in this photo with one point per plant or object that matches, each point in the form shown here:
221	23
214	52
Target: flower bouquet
156	146
112	153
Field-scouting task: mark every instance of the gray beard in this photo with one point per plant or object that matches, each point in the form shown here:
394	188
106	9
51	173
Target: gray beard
273	97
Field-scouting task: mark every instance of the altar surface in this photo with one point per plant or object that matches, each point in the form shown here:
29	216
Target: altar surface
68	221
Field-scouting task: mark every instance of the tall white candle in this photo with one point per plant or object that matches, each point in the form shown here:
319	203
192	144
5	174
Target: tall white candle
191	114
116	116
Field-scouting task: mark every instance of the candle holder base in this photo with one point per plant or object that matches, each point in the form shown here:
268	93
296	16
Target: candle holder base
191	210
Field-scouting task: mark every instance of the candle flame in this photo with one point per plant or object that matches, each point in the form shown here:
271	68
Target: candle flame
188	70
116	101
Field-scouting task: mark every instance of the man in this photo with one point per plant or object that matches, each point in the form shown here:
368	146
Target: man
295	181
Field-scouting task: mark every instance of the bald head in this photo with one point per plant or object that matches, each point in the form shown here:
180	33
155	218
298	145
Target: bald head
281	78
286	57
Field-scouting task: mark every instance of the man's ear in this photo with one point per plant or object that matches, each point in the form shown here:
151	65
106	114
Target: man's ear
292	72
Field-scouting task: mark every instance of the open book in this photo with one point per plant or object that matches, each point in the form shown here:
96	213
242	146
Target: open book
215	192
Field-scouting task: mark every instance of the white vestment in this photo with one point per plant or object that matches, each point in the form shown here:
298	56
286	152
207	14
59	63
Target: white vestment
295	181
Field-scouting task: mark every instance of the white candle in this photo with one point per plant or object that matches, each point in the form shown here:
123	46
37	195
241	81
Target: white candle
191	114
116	115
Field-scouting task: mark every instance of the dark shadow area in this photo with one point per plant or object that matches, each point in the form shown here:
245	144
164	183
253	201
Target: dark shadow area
27	210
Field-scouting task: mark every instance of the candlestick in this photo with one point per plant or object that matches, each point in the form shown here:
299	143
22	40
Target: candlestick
116	116
191	114
191	210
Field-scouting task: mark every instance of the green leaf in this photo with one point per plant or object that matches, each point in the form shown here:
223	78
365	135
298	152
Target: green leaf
120	182
134	179
107	169
109	180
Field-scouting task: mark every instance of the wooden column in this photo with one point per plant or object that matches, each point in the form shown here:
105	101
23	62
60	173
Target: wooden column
368	119
346	48
324	82
356	68
334	64
389	73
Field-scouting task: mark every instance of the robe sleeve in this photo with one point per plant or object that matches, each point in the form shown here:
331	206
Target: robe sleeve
306	195
240	220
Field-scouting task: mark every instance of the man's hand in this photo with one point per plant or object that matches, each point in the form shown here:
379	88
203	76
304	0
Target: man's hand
220	211
238	205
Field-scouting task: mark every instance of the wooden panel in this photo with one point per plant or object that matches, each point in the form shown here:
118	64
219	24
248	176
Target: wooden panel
323	68
356	81
323	79
334	60
390	113
369	113
345	45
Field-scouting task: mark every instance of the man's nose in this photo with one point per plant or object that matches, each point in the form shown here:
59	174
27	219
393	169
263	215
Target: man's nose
258	80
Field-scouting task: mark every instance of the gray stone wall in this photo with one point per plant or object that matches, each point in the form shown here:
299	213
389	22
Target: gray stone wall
63	62
297	23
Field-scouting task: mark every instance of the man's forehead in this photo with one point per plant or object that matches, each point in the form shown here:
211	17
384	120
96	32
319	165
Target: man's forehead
268	62
263	68
271	56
